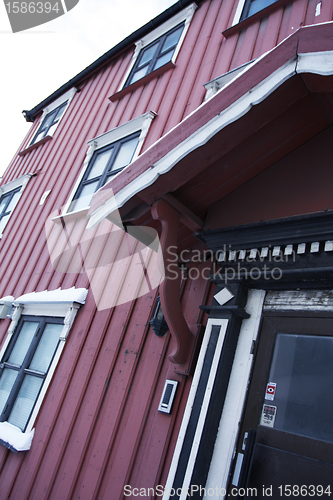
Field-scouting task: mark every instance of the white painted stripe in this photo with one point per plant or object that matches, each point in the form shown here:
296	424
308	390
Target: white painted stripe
188	410
235	398
203	412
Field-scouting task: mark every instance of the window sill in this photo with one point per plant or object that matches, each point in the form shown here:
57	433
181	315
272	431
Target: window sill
79	214
14	439
255	17
139	83
35	145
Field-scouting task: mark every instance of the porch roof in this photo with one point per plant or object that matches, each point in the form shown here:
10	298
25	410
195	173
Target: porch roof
236	134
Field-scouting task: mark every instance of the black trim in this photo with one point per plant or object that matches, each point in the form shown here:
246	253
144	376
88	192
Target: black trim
219	391
274	271
298	229
198	400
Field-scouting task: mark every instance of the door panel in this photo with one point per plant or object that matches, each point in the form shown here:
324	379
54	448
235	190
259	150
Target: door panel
290	407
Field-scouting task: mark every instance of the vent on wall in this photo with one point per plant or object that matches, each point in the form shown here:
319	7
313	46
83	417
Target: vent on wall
168	395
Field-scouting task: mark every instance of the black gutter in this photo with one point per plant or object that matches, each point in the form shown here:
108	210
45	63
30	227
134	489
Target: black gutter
124	44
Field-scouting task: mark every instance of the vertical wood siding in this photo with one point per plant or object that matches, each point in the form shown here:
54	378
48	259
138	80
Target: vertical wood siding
98	428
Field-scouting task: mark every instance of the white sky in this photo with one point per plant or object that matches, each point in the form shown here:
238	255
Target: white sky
36	62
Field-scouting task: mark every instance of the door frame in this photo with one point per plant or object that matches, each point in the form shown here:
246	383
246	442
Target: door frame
280	259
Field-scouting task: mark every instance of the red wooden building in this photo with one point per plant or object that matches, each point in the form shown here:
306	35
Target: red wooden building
185	173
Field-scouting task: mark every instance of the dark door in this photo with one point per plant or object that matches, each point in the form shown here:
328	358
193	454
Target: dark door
289	411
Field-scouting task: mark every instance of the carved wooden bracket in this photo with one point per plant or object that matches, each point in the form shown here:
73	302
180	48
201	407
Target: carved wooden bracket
170	287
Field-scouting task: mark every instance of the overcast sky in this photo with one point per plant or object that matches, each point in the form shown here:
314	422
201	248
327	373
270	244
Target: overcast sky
36	62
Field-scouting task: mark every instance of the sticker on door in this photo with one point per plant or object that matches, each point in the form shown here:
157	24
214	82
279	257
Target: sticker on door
268	415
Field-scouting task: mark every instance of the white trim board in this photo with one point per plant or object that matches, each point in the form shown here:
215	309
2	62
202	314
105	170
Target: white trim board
233	406
222	323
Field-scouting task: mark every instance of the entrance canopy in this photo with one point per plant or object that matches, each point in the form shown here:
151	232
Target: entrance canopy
275	105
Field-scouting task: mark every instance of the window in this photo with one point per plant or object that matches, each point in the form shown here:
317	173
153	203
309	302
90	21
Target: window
9	195
40	324
105	163
49	123
107	155
253	6
159	47
155	55
7	203
246	8
25	366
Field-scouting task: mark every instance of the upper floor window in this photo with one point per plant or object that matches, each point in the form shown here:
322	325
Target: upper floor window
104	163
49	123
107	155
156	54
159	47
7	203
253	6
9	196
246	8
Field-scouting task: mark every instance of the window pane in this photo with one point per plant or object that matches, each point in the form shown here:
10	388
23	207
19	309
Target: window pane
3	202
139	74
99	165
302	371
48	120
257	5
13	201
46	348
125	153
84	199
25	401
23	342
6	384
39	137
60	111
172	39
164	59
3	222
148	54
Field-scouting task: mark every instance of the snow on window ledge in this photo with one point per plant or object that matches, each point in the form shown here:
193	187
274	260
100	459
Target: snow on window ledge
13	438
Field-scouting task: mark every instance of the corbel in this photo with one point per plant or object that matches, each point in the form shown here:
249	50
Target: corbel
69	319
170	287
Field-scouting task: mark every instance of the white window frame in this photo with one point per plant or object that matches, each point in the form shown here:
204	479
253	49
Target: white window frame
184	16
68	96
57	303
15	184
141	123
